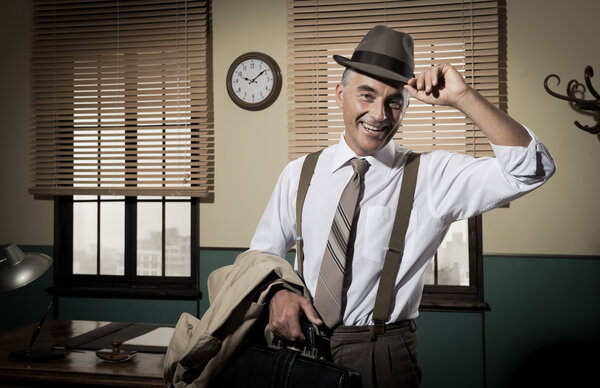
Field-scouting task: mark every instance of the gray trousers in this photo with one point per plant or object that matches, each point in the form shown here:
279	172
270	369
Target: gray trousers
385	360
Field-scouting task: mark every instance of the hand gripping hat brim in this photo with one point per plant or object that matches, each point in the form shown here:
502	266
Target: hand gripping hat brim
383	53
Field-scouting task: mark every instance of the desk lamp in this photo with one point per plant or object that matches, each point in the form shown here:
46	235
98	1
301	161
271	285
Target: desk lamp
20	268
17	270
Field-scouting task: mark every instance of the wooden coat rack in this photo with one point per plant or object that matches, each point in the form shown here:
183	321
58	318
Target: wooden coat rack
576	97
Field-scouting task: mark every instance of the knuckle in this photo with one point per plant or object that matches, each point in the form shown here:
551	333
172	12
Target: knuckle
295	332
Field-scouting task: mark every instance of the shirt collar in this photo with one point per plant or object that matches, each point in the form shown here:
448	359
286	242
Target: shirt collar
381	161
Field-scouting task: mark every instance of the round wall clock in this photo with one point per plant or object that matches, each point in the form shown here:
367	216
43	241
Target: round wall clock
254	81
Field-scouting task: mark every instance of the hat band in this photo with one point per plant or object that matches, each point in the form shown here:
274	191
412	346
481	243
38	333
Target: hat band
384	61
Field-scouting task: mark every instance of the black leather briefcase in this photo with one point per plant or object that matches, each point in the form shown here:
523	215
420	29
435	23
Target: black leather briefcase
280	366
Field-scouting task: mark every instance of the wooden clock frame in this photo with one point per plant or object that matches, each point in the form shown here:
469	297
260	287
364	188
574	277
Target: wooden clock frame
274	93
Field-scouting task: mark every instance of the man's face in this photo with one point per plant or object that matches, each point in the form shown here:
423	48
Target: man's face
372	111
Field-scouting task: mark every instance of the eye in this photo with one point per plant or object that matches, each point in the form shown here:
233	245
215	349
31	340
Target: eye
366	96
395	104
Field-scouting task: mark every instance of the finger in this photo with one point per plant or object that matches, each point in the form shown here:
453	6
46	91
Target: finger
275	324
293	331
435	76
411	89
420	81
311	313
414	93
428	82
288	329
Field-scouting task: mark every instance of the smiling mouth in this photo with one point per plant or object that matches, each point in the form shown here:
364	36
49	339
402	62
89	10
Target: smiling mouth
372	128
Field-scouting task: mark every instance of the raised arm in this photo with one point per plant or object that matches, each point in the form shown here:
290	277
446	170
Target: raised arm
443	85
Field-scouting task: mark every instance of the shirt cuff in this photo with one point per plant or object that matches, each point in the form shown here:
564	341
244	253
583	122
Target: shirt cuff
521	161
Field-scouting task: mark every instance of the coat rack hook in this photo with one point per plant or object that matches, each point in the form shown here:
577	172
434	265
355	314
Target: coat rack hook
575	95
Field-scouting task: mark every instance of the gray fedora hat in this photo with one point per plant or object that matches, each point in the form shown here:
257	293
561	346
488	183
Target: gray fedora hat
383	53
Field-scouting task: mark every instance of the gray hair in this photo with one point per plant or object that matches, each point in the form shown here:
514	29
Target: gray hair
348	74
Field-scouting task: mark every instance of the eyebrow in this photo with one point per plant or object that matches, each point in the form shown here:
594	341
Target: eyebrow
366	88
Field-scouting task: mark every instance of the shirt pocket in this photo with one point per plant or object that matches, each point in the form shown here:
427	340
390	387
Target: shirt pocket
378	229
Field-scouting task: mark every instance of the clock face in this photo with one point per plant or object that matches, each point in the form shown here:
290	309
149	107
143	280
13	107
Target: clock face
254	81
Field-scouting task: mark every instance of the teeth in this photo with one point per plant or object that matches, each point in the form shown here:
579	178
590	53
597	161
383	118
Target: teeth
371	128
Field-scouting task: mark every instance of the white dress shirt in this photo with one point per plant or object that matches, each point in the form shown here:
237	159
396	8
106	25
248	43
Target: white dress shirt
449	187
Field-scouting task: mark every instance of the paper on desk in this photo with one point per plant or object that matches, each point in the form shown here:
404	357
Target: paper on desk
157	337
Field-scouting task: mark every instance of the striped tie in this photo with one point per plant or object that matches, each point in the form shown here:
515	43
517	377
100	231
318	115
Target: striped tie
328	297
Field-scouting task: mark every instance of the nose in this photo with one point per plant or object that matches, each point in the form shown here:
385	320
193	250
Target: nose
377	110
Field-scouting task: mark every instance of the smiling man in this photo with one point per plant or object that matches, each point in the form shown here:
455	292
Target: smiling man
372	111
344	250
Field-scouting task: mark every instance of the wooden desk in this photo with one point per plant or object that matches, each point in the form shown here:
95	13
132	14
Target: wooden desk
79	368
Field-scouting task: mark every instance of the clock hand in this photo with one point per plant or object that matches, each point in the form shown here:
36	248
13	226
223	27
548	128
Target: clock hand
259	74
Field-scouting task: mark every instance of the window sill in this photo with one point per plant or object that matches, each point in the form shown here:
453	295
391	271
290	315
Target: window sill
462	303
145	292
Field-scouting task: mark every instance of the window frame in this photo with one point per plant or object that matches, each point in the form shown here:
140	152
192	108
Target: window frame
456	297
129	285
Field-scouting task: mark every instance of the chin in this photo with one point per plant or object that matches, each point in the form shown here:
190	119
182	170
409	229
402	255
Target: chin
370	148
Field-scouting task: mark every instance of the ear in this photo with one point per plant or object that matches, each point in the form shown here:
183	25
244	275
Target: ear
339	95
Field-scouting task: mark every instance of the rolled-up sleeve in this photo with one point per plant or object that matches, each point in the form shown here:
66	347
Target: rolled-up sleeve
528	165
460	186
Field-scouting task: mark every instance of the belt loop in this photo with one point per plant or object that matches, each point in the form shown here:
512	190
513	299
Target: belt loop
378	328
372	332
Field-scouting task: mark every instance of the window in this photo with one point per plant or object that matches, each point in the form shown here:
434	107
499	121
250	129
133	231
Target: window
162	236
123	139
140	246
467	34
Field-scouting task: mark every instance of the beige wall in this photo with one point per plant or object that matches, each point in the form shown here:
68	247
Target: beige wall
543	37
251	147
22	220
546	37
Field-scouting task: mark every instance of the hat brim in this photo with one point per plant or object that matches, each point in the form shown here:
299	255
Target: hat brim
369	69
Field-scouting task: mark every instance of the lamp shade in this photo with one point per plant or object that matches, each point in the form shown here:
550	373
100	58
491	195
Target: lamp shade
20	269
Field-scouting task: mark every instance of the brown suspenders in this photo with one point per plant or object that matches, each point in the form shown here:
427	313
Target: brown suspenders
305	177
393	256
394	253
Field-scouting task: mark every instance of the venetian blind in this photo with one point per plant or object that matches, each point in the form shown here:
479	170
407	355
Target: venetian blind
466	34
121	100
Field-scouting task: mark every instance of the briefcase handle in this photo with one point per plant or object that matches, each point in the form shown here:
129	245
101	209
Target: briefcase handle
307	347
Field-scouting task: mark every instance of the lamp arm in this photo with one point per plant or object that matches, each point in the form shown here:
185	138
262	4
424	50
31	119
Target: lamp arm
37	330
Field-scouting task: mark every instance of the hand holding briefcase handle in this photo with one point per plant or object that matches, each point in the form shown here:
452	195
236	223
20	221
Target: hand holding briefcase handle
283	365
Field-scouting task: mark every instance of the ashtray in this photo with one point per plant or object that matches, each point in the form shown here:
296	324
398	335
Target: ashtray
115	354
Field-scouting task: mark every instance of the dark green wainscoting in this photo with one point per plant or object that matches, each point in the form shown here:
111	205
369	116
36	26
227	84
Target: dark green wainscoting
543	329
544	326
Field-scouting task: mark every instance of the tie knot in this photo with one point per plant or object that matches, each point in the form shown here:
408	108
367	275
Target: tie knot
360	165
